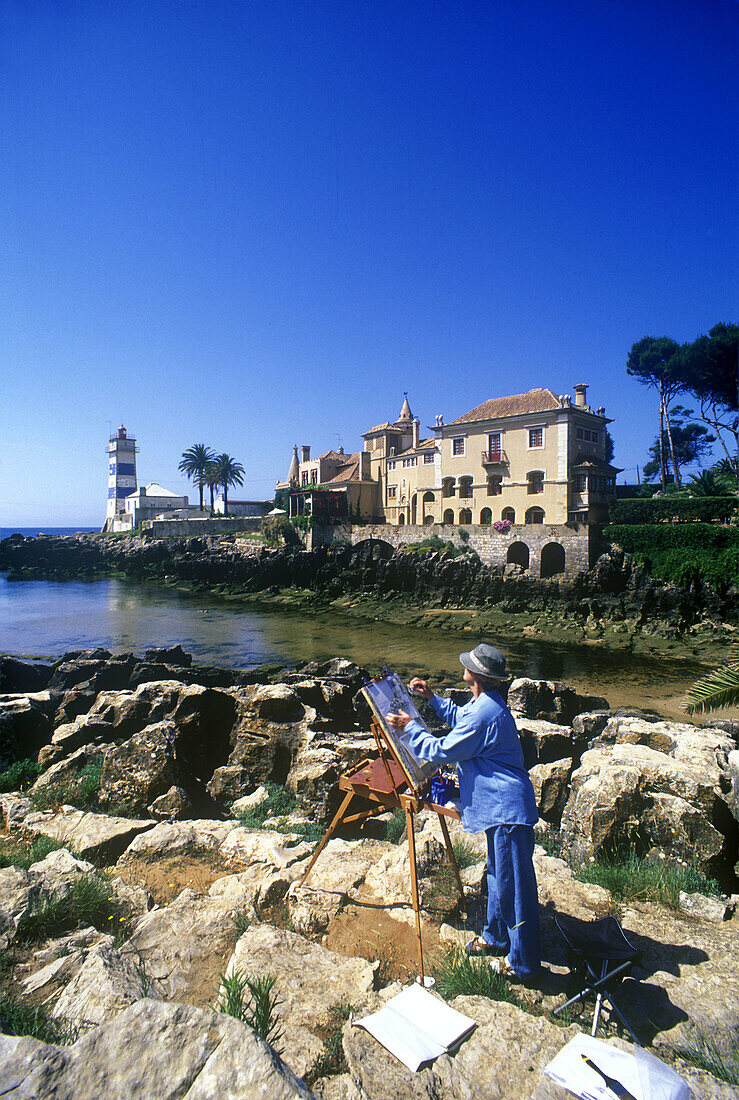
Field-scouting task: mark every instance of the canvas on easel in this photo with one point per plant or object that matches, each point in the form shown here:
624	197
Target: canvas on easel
388	695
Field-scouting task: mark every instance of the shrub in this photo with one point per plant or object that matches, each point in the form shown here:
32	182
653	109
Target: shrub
278	530
19	776
250	998
685	509
683	553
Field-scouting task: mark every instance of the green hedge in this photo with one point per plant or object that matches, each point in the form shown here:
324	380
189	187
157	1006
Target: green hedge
682	553
702	509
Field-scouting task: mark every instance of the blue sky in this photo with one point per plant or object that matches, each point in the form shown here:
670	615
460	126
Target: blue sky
258	223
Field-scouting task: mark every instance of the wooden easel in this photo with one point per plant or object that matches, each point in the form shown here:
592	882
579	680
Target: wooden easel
385	785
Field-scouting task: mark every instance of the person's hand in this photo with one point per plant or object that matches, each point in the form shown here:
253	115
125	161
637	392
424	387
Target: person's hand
420	687
398	721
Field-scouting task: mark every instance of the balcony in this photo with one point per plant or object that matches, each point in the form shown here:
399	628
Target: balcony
494	458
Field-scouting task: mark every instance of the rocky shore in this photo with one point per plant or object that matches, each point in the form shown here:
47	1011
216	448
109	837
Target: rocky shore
199	794
617	603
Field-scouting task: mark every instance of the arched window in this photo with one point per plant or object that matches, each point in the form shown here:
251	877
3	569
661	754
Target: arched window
448	516
509	514
447	487
535	479
495	485
518	554
465	488
428	520
428	498
401	520
486	516
535	515
465	516
552	559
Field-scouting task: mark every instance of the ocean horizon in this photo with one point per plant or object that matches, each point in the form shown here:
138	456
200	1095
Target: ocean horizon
45	529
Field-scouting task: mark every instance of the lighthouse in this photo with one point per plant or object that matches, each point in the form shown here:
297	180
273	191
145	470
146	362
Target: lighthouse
121	472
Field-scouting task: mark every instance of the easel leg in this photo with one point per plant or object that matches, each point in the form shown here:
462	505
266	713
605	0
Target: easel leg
337	818
453	861
414	887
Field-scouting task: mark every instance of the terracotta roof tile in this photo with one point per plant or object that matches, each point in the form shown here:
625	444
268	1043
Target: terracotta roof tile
387	426
535	401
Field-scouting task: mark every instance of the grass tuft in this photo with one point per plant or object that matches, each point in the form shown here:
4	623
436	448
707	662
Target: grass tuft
458	974
465	853
18	1018
634	879
279	803
395	827
83	791
721	1058
333	1060
88	900
22	853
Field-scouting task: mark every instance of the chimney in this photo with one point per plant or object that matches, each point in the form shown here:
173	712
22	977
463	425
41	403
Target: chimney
416	425
581	393
305	454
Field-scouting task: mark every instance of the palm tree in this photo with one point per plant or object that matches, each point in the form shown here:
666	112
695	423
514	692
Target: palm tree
227	472
194	465
719	689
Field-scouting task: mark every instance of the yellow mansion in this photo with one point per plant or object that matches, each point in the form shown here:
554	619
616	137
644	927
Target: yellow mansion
530	458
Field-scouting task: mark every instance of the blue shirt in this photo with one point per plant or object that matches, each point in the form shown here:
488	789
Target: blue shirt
483	742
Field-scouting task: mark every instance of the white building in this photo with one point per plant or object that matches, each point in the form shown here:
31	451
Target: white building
151	501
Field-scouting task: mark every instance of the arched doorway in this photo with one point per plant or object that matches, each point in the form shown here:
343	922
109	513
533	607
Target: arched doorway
401	520
486	516
518	554
535	515
428	521
465	516
448	516
509	514
552	559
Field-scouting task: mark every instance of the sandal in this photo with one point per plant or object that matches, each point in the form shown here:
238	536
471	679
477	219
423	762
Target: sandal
479	949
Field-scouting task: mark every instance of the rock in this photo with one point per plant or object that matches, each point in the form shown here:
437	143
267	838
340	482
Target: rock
103	986
227	784
173	805
250	801
66	771
342	868
17	893
698	905
69	736
309	981
130	712
58	870
483	1065
97	836
14	809
633	795
174	655
150	1050
23	677
544	742
732	770
277	703
551	701
174	838
24	728
551	786
314	778
142	768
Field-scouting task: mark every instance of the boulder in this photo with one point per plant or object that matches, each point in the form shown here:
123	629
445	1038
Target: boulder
173	805
551	784
174	838
23	676
141	769
153	1049
550	701
65	771
309	981
634	796
172	655
277	703
544	742
314	778
14	809
229	783
129	712
96	836
103	985
342	868
24	728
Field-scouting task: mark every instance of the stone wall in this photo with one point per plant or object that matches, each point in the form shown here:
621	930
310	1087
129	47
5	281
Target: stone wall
226	525
543	549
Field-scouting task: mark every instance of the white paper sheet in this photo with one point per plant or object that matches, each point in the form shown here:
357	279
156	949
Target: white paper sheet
568	1069
416	1026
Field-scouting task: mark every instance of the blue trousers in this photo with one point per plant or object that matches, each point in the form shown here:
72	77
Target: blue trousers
513	903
